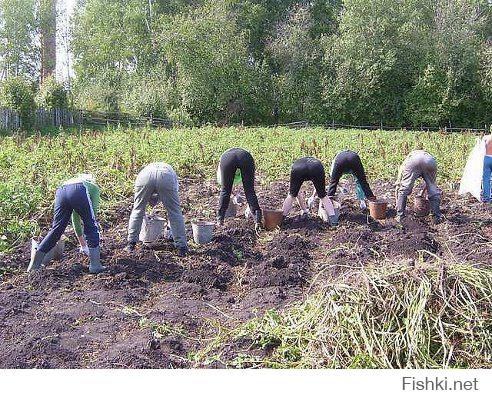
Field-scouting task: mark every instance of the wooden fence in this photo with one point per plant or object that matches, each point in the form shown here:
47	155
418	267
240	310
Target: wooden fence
109	118
11	120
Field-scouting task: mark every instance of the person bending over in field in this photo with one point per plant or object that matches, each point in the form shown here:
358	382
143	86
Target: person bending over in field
349	162
78	199
308	169
158	181
418	164
237	165
487	168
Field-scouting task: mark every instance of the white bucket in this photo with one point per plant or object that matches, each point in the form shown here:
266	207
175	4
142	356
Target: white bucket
202	232
152	228
56	253
323	214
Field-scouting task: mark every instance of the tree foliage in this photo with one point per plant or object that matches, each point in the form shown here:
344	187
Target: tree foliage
19	53
401	62
17	94
52	94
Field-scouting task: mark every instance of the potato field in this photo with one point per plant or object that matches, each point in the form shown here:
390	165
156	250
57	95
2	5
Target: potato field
365	294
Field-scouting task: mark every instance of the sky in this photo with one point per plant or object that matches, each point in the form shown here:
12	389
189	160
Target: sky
64	59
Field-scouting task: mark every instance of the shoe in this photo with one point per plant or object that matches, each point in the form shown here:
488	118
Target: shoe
95	265
130	247
36	262
182	251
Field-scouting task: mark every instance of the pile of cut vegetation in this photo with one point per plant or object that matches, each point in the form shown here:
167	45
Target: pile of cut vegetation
397	316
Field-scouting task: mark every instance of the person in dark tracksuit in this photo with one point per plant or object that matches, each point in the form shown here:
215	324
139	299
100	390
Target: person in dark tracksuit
237	165
305	169
418	164
78	195
349	162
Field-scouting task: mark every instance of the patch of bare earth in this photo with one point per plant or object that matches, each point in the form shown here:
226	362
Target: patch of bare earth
153	309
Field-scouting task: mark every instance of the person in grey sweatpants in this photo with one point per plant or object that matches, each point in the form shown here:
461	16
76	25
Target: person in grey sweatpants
418	164
158	179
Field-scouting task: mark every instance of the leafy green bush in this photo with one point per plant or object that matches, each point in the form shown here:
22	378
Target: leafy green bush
17	94
52	94
147	96
215	77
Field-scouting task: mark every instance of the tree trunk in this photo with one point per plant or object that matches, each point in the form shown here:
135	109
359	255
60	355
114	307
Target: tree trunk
48	37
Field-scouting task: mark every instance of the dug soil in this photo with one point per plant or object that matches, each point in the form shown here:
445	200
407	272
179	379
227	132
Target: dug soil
155	309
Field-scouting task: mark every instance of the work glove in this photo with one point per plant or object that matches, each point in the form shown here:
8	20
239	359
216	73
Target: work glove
258	228
84	250
310	202
304	214
363	205
237	199
167	234
248	213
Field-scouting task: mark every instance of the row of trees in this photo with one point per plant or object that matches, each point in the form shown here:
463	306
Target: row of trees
400	62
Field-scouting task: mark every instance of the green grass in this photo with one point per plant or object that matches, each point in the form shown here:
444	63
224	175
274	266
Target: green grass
32	167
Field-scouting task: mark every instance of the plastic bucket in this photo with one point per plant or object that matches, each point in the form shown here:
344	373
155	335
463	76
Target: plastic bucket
323	214
421	206
56	253
272	218
152	228
202	232
377	209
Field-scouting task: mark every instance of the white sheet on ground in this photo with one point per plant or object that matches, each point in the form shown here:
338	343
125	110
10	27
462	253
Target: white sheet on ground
471	182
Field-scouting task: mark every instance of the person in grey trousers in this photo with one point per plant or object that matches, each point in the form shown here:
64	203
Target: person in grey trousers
418	164
158	181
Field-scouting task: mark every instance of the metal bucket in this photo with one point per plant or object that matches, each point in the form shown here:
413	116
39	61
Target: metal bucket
202	232
152	228
377	209
272	218
323	214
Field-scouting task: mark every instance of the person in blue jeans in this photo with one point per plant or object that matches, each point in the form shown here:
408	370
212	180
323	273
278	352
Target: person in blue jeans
76	195
487	168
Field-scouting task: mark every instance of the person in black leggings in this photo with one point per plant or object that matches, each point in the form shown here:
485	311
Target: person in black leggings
302	170
349	162
237	164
